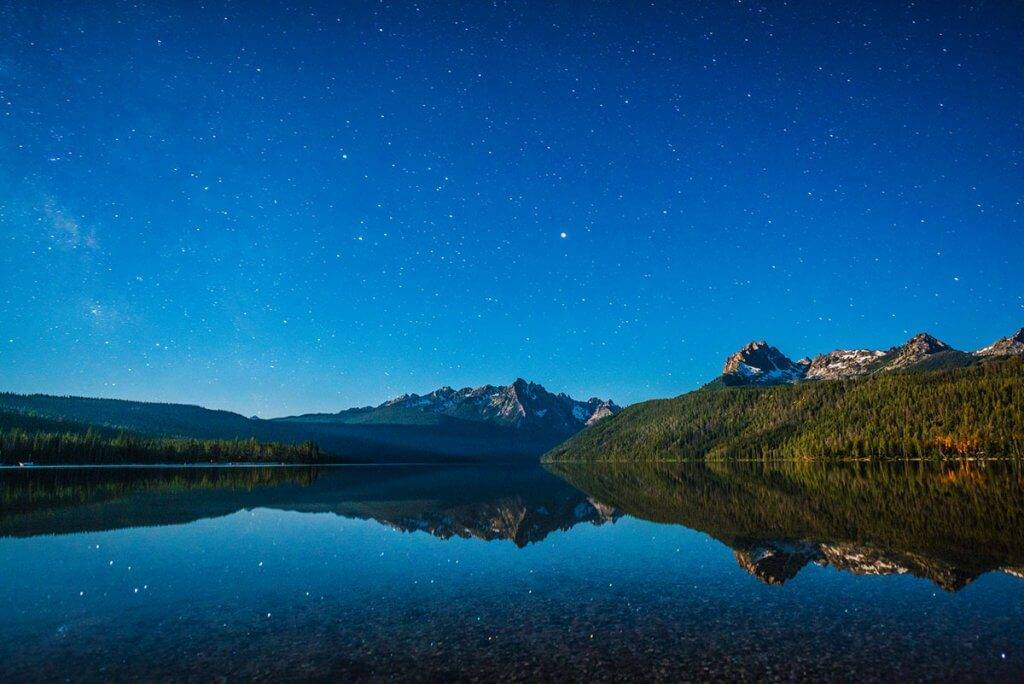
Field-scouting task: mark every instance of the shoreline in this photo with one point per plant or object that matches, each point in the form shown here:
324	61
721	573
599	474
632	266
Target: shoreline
171	466
56	466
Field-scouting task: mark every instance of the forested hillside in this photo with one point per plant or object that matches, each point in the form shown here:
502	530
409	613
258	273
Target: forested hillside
971	411
442	438
44	441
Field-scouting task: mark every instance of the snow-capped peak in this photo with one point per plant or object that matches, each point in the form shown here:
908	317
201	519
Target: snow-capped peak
760	363
521	404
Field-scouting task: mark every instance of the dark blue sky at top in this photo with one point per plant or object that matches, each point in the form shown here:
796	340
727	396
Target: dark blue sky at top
276	208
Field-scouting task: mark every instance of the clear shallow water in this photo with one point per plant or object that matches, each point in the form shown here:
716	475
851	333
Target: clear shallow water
470	572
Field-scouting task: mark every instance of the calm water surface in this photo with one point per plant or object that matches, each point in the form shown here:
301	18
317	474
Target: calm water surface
424	572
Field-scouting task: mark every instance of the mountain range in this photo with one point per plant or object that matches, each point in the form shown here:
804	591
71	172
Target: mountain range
921	399
521	405
522	505
759	363
967	404
882	520
518	421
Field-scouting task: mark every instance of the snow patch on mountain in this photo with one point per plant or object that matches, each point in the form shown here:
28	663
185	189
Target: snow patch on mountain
1007	346
521	404
842	363
760	363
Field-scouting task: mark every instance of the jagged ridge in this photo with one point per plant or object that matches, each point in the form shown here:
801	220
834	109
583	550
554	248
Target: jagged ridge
521	404
1007	346
758	363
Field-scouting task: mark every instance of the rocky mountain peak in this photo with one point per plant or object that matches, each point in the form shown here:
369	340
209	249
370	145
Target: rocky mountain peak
842	363
401	399
915	350
1007	346
521	404
526	390
760	363
601	409
923	343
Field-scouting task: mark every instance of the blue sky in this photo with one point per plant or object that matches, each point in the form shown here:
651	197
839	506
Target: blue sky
310	206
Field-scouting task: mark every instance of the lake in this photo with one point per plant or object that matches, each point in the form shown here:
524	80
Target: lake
767	571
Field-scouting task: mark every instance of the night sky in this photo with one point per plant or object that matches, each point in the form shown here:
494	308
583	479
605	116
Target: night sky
275	208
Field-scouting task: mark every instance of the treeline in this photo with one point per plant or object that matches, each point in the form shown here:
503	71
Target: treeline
973	411
43	441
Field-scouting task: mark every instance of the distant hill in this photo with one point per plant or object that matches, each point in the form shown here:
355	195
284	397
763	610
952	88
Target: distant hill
492	423
26	438
922	399
171	420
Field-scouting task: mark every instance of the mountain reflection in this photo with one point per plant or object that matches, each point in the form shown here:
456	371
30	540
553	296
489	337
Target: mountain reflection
947	522
519	504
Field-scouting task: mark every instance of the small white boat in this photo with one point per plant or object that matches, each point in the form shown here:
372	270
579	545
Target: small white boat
25	464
